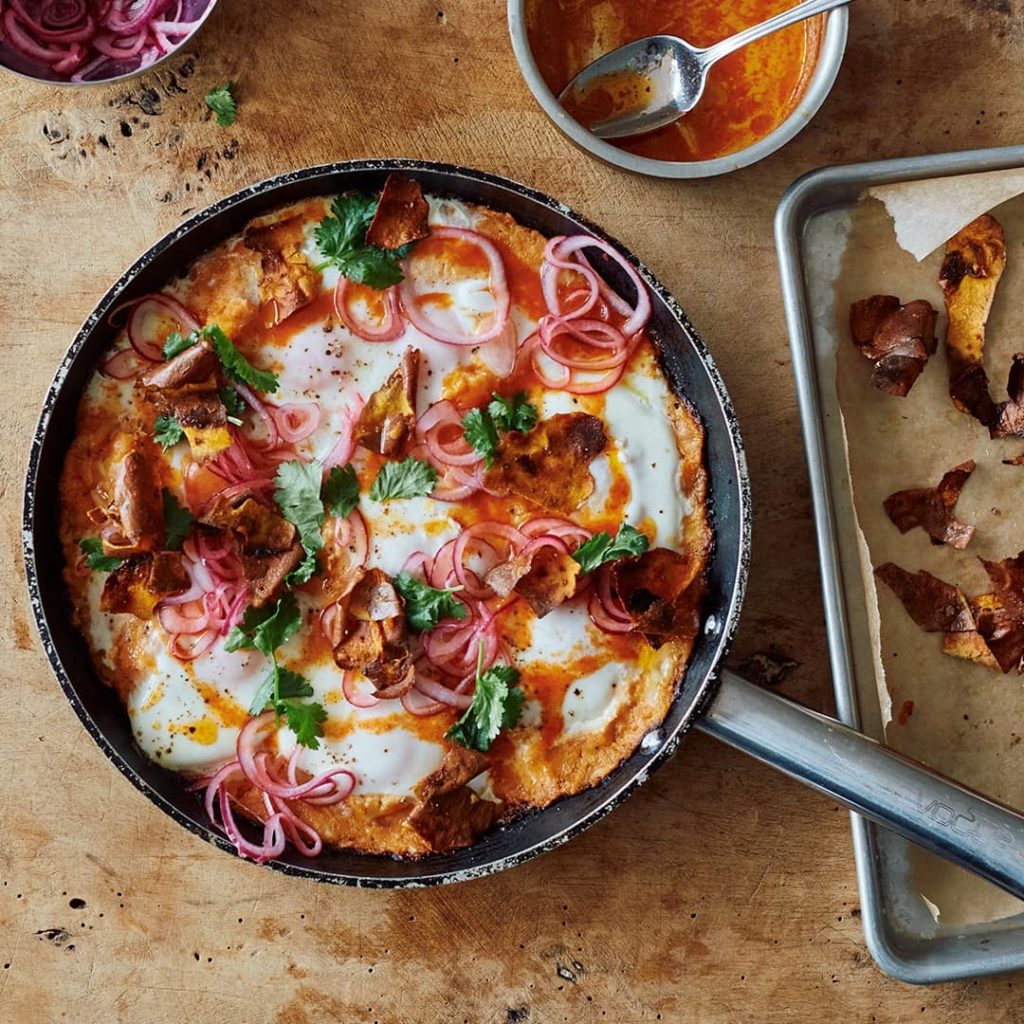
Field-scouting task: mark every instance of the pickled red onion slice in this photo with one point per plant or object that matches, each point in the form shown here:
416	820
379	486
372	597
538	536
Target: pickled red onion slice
276	779
295	421
413	304
389	327
567	253
164	312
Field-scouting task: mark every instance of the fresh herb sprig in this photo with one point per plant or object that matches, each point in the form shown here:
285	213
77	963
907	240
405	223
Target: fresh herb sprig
341	237
301	494
482	427
175	343
603	548
233	403
410	478
297	495
426	606
167	432
92	549
178	521
497	704
223	103
340	491
266	629
236	367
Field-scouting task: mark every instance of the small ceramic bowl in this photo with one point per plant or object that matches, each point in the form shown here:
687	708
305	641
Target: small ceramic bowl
193	12
830	57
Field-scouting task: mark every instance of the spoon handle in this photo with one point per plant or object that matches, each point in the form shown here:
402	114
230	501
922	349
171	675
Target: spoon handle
802	11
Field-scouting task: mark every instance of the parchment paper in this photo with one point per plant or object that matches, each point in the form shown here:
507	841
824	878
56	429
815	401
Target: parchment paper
966	721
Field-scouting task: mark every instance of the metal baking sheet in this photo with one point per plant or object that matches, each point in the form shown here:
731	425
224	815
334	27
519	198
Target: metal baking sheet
902	935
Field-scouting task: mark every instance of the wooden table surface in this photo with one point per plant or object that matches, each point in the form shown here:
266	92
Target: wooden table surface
721	891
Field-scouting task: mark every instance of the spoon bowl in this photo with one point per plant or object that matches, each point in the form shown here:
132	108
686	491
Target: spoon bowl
637	88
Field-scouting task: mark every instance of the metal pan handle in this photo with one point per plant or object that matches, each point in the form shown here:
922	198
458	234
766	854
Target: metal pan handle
941	815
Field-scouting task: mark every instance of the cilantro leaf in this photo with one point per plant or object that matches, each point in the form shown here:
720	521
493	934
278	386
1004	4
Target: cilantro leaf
175	344
280	684
264	696
298	497
425	605
410	478
236	366
167	432
178	521
281	691
480	431
497	703
233	403
291	684
92	548
376	268
305	720
304	571
346	227
341	237
514	413
340	491
266	628
603	548
480	426
222	102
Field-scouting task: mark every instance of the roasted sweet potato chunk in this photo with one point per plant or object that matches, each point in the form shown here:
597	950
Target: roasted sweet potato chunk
259	527
265	571
550	465
973	264
401	215
138	510
186	387
196	365
1009	417
546	578
390	412
370	635
936	606
287	281
988	629
454	820
141	582
450	815
460	764
931	508
267	544
659	591
897	339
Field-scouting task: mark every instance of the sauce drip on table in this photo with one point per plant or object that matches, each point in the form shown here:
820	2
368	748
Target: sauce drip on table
748	94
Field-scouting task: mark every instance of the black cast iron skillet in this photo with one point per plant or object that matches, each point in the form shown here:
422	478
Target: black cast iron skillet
954	822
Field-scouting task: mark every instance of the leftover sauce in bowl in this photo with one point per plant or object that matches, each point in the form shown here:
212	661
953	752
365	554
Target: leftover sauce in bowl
748	95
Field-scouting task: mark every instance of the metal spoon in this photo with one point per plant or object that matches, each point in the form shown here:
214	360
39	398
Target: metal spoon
655	80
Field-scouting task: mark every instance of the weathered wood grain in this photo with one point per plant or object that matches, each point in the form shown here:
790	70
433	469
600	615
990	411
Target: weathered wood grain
721	891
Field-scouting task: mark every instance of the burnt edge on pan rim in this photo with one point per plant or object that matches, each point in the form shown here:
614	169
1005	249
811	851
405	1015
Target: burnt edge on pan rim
665	745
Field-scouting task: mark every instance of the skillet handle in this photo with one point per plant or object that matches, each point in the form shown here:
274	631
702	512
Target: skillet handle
941	815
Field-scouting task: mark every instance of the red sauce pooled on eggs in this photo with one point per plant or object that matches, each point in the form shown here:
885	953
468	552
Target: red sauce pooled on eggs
748	95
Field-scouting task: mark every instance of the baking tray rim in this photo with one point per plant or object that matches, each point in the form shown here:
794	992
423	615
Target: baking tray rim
930	959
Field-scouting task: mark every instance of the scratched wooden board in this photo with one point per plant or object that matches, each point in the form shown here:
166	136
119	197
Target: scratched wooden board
721	891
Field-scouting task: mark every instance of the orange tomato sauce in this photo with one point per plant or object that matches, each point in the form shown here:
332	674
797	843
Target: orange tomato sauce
748	95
